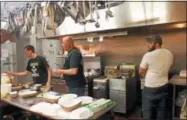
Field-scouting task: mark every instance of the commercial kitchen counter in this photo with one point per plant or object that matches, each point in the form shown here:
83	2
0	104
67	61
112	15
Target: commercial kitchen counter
176	80
26	103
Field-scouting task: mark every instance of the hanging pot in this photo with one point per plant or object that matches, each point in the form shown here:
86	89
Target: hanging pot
58	18
77	10
5	35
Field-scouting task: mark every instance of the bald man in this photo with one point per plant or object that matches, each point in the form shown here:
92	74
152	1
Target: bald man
73	67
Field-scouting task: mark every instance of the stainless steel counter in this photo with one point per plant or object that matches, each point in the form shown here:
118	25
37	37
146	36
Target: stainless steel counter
176	80
26	103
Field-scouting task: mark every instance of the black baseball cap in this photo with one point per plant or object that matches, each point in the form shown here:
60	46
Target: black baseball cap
155	38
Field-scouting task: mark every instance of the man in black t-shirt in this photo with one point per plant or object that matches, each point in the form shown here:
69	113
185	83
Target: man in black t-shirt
37	65
73	68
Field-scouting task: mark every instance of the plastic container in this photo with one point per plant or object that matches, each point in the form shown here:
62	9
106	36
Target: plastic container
13	94
6	88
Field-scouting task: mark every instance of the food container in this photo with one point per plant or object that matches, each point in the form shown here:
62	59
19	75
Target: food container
51	98
85	100
69	105
68	96
182	73
6	88
13	94
6	79
68	102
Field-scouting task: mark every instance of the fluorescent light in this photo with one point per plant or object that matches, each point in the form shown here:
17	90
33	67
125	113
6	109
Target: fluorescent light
101	39
90	39
180	25
116	34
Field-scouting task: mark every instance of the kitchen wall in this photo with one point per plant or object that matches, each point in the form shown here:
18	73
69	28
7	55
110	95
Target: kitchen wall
130	49
127	48
8	56
21	59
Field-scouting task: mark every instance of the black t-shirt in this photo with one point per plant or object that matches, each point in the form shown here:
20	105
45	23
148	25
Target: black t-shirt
38	67
74	60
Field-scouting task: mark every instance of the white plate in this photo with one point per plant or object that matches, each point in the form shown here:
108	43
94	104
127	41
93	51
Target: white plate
66	97
69	96
49	96
69	102
85	99
13	93
53	93
38	85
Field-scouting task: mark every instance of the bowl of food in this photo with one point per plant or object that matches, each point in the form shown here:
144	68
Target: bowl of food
51	97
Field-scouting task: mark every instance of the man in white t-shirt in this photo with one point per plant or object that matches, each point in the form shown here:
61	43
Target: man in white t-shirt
155	66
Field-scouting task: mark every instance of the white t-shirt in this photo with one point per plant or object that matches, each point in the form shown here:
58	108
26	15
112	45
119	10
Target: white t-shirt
157	63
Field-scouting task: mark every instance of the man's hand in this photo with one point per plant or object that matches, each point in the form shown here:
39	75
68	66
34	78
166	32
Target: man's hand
142	72
10	73
48	84
24	73
58	71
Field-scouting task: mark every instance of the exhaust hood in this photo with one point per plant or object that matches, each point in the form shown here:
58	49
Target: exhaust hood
129	14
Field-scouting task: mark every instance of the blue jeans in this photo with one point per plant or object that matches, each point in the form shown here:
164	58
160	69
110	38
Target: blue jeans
154	102
77	90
